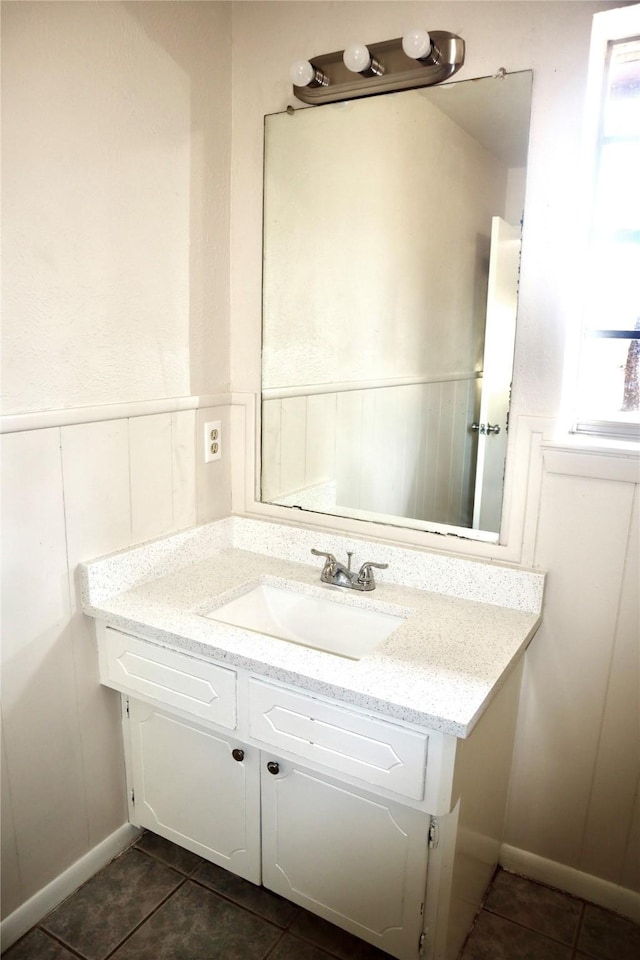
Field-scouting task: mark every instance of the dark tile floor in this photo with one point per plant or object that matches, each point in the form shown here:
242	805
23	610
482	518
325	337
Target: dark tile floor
523	920
159	902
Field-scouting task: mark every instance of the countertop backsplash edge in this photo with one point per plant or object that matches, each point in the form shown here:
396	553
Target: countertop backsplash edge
486	582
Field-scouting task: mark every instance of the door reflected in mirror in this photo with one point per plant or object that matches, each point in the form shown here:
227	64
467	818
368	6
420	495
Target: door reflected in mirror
391	258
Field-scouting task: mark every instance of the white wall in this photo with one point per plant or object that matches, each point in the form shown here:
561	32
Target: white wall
116	147
115	214
576	763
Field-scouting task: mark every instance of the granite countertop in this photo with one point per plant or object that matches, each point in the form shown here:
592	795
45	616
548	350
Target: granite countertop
439	669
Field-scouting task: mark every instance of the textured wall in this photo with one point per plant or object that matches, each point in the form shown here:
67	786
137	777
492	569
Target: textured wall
116	126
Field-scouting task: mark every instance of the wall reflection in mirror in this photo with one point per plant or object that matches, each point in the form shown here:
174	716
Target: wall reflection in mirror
391	257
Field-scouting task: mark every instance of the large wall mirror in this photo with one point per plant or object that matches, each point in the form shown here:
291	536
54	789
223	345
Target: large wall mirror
391	259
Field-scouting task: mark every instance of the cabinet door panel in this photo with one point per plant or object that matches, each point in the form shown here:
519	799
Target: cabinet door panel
189	789
352	858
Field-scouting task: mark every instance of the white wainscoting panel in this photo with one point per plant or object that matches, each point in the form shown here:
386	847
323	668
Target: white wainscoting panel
90	485
574	787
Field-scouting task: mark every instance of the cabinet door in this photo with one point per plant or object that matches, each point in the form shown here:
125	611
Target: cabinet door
189	789
350	857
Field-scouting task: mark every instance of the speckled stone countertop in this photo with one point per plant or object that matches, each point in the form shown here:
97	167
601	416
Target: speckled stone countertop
439	669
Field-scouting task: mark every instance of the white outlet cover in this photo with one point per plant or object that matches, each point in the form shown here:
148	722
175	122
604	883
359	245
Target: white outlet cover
212	435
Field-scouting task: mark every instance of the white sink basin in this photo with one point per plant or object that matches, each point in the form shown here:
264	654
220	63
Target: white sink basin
312	621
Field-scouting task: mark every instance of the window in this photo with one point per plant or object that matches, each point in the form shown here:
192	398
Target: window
609	376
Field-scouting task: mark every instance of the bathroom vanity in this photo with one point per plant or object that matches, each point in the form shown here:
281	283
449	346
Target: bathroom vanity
368	787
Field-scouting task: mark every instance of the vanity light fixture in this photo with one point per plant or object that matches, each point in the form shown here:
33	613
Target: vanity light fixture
419	59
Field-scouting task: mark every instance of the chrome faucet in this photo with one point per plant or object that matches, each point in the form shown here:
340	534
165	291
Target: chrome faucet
337	574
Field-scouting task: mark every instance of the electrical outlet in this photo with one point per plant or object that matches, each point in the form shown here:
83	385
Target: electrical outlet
212	441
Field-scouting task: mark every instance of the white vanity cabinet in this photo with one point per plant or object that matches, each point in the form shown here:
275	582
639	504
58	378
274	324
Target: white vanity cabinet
351	857
352	815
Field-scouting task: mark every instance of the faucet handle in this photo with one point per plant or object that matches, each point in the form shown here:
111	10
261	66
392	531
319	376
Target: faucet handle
321	553
330	561
365	577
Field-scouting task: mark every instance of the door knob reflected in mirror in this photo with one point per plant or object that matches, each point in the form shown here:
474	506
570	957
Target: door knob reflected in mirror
273	767
485	428
238	754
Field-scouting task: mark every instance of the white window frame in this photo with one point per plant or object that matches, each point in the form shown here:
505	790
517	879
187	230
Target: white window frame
608	26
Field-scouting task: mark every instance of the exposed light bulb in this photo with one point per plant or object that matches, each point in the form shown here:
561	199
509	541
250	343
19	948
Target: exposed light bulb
304	74
357	58
416	43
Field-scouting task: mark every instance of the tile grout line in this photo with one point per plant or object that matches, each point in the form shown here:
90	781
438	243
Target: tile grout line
284	929
271	951
146	919
524	926
51	936
223	896
576	939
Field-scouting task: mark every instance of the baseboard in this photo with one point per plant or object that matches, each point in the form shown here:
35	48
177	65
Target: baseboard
41	903
601	892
